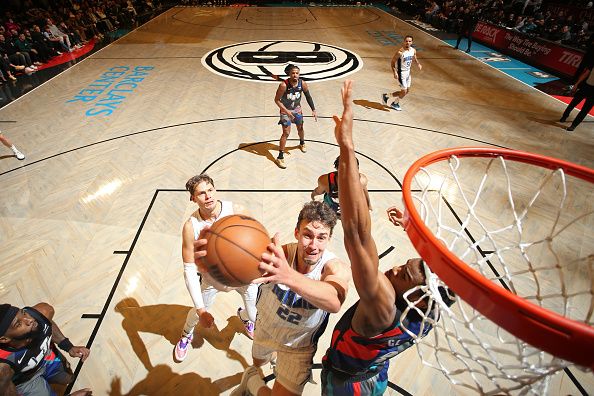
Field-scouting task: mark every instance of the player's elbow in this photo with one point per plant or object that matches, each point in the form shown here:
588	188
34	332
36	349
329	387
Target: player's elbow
334	306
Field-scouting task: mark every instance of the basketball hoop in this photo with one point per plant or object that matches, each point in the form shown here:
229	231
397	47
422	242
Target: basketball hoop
511	234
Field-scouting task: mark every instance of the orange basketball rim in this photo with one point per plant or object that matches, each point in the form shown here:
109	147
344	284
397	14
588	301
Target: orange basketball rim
549	331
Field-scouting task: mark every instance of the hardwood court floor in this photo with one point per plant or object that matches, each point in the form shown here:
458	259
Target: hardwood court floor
91	220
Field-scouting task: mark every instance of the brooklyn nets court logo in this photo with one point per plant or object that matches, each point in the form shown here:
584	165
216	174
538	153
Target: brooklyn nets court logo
263	60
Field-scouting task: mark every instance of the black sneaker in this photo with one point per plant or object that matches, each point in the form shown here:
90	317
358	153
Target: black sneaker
396	107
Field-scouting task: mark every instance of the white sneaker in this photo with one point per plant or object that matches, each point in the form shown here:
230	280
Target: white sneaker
280	162
20	156
303	148
182	347
248	324
241	389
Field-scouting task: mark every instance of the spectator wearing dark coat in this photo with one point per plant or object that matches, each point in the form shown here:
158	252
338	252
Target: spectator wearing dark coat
469	21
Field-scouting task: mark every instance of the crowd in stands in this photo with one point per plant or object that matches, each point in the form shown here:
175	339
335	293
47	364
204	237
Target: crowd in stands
35	32
527	16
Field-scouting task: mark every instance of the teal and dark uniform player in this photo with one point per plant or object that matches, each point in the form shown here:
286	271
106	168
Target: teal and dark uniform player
328	185
288	99
29	360
371	331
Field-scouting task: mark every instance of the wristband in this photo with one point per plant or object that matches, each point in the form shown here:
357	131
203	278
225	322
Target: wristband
65	345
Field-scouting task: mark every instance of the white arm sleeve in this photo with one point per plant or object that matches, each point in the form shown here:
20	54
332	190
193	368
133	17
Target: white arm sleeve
193	284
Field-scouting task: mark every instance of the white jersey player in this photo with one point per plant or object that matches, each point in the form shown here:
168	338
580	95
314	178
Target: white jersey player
204	290
305	284
401	64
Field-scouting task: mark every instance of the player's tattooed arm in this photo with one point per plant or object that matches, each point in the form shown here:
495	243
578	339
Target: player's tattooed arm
7	388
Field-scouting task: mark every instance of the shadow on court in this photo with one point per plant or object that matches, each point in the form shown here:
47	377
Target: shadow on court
161	380
371	105
168	320
548	121
266	150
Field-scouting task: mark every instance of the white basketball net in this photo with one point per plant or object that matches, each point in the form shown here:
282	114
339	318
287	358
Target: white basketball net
533	233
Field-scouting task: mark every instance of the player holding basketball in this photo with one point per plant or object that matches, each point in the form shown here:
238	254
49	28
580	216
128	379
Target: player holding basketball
328	185
304	284
203	288
401	63
288	100
371	331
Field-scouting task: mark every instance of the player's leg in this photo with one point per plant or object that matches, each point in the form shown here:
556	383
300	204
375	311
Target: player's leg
249	294
301	133
252	380
182	347
293	370
460	35
588	104
577	98
389	98
286	125
404	86
4	140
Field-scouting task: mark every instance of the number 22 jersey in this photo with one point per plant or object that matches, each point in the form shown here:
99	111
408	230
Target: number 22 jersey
289	318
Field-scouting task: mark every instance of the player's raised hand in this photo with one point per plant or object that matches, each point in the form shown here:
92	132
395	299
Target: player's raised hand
343	129
396	216
274	264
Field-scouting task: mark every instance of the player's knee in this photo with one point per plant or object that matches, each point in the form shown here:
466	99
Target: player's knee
64	378
46	310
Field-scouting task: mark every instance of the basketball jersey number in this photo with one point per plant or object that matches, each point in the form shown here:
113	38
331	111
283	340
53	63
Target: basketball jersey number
293	96
288	315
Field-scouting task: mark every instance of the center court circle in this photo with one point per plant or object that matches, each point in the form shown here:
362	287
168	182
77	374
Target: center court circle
262	60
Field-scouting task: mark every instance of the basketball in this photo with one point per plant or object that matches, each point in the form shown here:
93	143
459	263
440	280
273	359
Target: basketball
235	246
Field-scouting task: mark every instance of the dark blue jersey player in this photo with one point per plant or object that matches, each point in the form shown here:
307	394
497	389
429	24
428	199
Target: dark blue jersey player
29	360
288	99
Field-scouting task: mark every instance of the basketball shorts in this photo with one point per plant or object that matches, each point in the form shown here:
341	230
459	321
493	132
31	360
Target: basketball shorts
336	384
293	365
55	370
286	121
405	80
211	287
